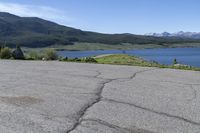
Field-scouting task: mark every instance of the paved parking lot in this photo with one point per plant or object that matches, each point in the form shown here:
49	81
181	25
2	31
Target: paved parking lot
60	97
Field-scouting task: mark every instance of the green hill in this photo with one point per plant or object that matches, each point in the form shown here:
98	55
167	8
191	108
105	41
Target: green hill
35	32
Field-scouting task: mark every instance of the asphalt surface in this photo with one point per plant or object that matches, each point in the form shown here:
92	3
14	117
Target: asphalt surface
60	97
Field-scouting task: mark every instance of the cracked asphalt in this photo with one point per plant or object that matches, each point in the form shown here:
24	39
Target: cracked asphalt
60	97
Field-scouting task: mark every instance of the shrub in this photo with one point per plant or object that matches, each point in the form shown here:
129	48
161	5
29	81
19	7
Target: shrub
34	56
66	58
51	54
5	53
90	60
75	59
175	61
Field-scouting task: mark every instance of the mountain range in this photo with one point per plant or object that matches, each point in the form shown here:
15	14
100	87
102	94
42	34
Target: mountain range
180	34
36	32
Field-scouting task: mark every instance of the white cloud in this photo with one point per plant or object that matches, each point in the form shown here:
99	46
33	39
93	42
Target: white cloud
44	12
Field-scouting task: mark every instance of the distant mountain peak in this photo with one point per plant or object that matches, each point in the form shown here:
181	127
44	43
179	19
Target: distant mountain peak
181	34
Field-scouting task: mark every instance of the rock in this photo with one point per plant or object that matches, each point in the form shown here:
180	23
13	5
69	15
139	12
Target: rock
44	59
181	65
177	65
18	54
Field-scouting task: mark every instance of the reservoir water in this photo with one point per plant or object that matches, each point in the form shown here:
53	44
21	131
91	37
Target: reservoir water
189	56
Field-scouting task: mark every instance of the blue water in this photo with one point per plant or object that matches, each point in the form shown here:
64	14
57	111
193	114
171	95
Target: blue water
189	56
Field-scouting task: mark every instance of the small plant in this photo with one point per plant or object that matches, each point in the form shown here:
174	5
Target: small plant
5	53
66	58
50	54
33	55
175	61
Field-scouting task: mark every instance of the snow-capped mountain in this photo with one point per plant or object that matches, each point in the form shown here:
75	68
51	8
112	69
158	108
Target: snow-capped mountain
182	34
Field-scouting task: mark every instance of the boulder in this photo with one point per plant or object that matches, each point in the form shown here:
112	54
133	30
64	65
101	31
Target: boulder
18	54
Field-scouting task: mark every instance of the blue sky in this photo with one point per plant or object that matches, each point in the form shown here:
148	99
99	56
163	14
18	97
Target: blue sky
113	16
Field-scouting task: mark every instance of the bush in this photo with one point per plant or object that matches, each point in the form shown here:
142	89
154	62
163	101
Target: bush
50	54
66	58
5	53
34	56
75	60
90	60
175	61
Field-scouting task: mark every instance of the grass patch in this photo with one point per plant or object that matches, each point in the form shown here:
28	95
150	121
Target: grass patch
120	59
123	59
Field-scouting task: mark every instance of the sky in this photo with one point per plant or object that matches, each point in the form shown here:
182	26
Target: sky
113	16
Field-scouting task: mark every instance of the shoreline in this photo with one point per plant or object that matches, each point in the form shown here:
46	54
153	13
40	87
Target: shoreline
60	50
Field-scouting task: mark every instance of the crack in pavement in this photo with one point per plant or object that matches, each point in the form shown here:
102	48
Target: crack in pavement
122	130
152	111
118	128
81	113
84	109
135	74
124	79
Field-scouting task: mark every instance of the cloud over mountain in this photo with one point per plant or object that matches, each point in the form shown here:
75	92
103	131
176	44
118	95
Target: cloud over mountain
45	12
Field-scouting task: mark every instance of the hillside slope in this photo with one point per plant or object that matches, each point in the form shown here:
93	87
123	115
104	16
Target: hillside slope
36	32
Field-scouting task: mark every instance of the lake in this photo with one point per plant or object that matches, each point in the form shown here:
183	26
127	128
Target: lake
189	56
